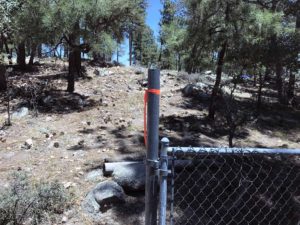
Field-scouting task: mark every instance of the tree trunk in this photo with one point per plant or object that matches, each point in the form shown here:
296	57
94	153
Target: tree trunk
8	52
130	47
231	136
279	83
66	51
261	84
212	107
291	86
255	76
74	58
179	62
21	56
72	71
32	54
3	81
39	50
118	53
298	21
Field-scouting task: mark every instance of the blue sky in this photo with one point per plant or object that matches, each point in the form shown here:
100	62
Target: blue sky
153	18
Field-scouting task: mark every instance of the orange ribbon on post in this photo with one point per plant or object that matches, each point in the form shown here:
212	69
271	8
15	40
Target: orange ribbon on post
151	91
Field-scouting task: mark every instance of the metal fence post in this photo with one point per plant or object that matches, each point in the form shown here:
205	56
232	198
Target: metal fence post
152	148
163	180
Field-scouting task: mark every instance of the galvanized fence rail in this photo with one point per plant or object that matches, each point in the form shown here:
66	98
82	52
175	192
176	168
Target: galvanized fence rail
223	186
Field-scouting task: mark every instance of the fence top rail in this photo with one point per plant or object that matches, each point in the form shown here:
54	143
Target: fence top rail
232	151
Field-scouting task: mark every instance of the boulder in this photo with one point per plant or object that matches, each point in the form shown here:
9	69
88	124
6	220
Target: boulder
103	196
20	113
107	193
131	176
94	175
199	90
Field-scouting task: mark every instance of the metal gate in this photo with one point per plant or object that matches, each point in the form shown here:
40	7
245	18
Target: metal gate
216	186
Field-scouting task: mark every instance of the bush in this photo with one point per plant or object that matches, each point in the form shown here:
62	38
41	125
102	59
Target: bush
24	203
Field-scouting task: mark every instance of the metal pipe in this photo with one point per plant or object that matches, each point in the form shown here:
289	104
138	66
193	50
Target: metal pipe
152	148
108	168
172	189
231	151
163	181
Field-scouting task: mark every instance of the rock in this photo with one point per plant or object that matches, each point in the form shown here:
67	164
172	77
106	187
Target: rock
208	72
56	144
94	175
97	72
107	193
199	90
48	100
48	118
130	177
68	185
102	197
81	142
188	90
64	219
139	71
28	143
91	207
22	112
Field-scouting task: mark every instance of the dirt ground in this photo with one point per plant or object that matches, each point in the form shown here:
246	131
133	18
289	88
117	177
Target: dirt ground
71	143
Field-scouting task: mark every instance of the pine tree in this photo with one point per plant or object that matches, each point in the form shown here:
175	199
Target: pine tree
167	17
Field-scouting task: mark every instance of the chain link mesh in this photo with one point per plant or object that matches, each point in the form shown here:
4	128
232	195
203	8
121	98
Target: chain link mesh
239	189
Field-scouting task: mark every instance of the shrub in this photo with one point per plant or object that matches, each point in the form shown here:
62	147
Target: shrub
24	203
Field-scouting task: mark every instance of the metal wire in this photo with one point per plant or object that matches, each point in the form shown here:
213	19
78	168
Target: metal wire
234	189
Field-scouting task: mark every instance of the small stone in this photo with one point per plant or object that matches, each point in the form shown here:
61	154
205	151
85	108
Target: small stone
64	219
28	143
56	145
81	142
22	112
69	184
48	118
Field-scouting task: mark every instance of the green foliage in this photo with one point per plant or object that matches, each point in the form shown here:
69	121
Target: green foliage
172	35
106	44
7	8
24	202
145	47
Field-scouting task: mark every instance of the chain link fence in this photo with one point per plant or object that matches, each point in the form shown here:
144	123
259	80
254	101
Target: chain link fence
236	187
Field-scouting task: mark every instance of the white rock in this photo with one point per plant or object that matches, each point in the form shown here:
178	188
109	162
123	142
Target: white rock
29	143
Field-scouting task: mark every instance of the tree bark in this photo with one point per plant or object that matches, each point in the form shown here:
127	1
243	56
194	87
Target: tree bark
179	62
130	47
74	68
72	71
21	56
74	58
298	21
279	83
32	54
66	51
291	86
261	85
39	50
3	81
212	107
